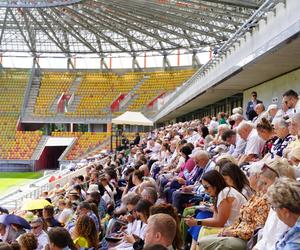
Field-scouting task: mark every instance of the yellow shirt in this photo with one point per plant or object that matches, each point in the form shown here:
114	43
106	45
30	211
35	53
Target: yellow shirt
81	242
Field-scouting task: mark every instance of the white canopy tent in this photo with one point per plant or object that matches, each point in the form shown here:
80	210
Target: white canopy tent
132	118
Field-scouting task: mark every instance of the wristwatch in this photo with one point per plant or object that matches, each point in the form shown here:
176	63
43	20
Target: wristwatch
199	223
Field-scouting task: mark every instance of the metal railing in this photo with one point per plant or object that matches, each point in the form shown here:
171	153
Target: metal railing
259	14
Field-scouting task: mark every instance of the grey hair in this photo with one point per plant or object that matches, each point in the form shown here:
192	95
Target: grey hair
243	125
281	123
285	193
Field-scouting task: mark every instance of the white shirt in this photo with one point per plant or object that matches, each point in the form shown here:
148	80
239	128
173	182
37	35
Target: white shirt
65	215
254	144
43	240
239	200
271	232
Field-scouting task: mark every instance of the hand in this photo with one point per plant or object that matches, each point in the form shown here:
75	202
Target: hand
181	180
190	221
187	189
129	238
226	233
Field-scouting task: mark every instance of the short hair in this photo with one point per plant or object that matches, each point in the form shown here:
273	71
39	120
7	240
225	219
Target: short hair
85	205
29	241
164	224
285	193
133	200
5	246
227	134
80	177
243	125
61	238
253	93
291	93
154	247
151	193
50	210
281	123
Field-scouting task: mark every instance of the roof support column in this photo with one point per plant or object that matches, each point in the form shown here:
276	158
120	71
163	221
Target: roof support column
135	63
195	60
166	62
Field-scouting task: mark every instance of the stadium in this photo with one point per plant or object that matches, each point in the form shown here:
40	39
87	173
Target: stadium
130	119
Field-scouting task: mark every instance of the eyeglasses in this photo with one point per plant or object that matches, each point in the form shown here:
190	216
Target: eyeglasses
36	227
274	207
274	171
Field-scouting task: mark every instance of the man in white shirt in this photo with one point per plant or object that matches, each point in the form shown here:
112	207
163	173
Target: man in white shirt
254	144
291	99
40	234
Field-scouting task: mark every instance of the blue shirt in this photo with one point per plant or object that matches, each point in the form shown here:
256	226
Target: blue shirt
291	239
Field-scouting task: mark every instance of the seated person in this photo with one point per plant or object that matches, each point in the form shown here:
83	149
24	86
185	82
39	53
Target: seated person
226	206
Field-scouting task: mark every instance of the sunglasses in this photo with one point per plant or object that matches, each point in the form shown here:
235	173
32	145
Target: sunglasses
206	187
36	227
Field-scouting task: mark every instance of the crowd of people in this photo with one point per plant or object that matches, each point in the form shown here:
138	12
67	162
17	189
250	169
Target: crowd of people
225	182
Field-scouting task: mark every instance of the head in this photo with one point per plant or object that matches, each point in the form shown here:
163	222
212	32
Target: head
142	209
290	98
48	212
5	246
59	238
150	194
281	128
213	183
83	208
229	137
28	241
204	131
254	95
264	129
284	196
272	110
161	230
131	201
244	129
165	208
37	226
234	176
201	158
137	177
185	152
259	108
85	226
294	125
274	169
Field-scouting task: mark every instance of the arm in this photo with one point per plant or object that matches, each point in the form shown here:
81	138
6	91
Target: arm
219	218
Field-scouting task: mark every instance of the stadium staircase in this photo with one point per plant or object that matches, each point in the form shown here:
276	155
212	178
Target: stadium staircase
34	91
131	96
39	148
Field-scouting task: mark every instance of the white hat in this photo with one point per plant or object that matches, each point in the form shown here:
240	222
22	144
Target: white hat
93	188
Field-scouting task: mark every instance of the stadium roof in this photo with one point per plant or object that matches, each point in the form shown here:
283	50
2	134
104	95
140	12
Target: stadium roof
103	27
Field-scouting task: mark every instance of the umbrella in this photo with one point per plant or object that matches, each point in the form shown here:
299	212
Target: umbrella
14	219
35	204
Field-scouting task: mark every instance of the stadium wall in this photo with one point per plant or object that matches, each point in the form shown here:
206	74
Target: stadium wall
271	91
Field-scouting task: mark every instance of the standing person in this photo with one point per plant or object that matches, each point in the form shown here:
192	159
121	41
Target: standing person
250	113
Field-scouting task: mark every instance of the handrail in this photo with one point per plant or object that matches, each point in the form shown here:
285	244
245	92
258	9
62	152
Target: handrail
28	88
248	25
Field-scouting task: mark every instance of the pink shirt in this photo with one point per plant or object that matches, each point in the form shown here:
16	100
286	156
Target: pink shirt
187	166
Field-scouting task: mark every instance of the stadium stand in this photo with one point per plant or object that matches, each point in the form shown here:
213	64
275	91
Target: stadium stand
86	141
14	144
53	84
